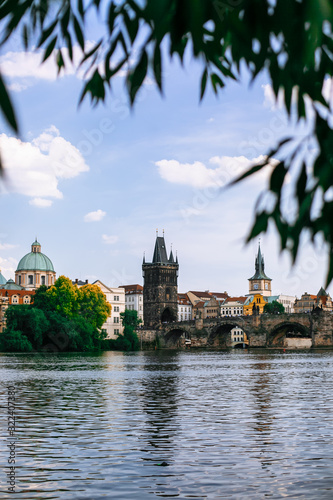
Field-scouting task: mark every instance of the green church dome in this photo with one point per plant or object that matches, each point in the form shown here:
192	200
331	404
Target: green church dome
35	260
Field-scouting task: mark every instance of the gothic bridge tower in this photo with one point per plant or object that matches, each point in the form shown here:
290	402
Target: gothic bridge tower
160	286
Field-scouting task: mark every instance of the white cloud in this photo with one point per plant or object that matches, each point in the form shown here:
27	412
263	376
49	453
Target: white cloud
18	87
8	267
29	65
6	246
198	175
94	216
35	168
40	202
270	101
109	240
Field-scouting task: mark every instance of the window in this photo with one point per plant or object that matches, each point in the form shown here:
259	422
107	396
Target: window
116	298
19	280
42	280
266	286
26	300
30	279
116	320
15	299
255	286
116	331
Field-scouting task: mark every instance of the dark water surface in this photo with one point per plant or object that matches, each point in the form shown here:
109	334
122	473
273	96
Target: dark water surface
228	424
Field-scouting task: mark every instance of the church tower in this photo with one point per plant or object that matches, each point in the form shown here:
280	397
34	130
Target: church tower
160	286
260	283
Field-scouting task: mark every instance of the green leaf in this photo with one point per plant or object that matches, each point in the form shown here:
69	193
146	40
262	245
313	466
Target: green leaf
49	49
91	52
60	61
46	33
158	66
216	82
137	76
6	106
78	32
203	83
277	178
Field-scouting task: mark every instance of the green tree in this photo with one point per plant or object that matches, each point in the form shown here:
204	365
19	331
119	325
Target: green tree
274	307
14	341
42	299
92	305
31	322
128	341
62	297
289	41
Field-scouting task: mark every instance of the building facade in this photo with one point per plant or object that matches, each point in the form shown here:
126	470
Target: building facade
306	303
116	298
184	307
35	269
254	304
233	306
134	299
12	294
160	286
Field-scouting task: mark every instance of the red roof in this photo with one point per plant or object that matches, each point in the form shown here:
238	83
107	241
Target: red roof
202	295
199	304
130	289
236	299
183	299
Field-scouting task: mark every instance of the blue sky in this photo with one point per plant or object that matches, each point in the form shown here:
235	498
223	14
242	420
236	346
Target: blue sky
94	184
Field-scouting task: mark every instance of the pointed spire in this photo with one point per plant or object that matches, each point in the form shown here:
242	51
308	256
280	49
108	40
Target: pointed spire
171	259
144	258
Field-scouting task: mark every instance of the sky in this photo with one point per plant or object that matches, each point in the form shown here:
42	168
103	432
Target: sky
94	185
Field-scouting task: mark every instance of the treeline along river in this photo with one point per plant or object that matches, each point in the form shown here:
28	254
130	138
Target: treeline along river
169	424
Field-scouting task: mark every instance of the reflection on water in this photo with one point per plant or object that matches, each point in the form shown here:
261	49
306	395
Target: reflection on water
228	424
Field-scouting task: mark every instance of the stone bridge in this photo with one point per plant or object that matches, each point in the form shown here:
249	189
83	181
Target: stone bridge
266	330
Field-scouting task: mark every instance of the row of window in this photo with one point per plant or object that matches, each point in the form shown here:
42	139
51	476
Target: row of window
186	309
31	280
231	311
15	299
131	298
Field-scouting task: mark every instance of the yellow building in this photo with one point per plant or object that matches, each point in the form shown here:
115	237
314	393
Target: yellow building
254	305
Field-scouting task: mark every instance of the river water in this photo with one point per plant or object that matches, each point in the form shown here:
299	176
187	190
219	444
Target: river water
169	424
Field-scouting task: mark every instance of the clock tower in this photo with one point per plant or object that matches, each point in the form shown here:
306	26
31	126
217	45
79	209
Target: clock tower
260	283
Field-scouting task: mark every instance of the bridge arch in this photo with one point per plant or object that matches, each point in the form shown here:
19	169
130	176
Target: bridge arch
174	336
279	336
221	334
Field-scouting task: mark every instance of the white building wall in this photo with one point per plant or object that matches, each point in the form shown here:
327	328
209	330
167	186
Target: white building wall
288	301
116	298
184	312
134	301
